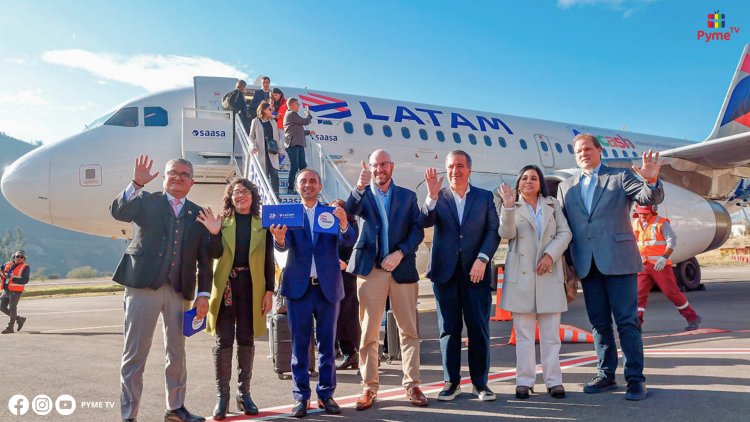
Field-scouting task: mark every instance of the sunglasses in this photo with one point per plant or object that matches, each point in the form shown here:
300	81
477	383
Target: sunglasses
18	256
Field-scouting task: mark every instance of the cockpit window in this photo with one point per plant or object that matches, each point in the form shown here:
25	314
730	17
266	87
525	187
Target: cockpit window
155	116
126	116
100	121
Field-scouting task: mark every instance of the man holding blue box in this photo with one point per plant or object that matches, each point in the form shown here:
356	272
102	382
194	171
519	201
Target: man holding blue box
312	283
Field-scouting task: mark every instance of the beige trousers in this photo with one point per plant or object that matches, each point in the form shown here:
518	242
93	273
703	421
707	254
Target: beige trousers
549	345
372	291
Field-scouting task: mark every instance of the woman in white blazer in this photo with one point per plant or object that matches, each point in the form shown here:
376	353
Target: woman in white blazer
262	129
537	234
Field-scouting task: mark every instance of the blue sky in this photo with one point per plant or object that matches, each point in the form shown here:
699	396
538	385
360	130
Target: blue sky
621	64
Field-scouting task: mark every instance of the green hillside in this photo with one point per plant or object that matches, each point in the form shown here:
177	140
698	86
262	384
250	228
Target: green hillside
55	249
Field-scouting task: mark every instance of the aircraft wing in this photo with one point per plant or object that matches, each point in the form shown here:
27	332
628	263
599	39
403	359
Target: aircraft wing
712	168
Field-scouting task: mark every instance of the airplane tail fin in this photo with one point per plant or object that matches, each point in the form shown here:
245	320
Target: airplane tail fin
734	117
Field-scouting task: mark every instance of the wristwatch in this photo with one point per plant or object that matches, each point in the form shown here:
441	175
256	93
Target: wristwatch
483	259
665	256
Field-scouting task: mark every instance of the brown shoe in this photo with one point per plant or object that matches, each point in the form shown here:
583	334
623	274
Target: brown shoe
364	401
415	395
557	391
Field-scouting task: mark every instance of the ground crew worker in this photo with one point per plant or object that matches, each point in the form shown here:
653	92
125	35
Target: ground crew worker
656	242
14	276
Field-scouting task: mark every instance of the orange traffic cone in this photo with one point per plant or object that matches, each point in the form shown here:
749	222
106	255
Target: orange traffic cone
571	334
568	334
500	314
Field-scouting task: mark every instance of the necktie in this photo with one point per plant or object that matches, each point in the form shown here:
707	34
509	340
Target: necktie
176	206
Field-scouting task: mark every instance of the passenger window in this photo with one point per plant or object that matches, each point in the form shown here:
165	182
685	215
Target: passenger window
387	131
523	144
605	153
545	148
348	127
326	122
472	139
440	135
457	137
502	142
614	152
368	128
570	148
635	154
558	147
487	140
405	132
423	134
127	116
155	116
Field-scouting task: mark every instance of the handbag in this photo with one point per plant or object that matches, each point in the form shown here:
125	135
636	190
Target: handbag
571	281
272	146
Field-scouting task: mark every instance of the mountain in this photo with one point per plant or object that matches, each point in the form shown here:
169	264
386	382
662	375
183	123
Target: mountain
55	249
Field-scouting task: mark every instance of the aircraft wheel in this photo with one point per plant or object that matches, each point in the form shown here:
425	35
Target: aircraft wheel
688	274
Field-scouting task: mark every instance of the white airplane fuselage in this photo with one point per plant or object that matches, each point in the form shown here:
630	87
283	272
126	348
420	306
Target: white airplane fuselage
71	183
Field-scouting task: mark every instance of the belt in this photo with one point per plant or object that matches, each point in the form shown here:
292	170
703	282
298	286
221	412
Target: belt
314	281
235	270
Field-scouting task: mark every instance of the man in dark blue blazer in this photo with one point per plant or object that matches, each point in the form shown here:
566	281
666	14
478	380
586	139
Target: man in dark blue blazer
384	259
464	240
311	281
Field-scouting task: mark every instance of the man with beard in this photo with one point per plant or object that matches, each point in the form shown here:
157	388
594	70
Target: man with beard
384	258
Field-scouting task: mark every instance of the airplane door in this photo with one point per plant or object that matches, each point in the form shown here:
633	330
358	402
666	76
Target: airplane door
544	146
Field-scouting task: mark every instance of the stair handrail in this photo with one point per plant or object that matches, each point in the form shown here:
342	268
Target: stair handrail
320	161
250	167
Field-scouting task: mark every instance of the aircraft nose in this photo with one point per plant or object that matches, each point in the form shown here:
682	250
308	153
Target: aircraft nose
25	184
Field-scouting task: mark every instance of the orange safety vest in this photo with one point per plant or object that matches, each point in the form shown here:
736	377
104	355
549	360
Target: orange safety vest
17	272
651	242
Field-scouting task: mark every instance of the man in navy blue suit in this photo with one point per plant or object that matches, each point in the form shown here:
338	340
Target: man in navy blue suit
464	240
311	281
384	259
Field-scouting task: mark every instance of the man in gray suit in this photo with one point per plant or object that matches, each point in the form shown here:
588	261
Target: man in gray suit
158	271
604	252
295	141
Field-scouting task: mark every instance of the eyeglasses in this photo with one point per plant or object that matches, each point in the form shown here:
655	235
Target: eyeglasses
240	192
182	176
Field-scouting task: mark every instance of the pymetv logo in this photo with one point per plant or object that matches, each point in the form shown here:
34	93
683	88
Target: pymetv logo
717	20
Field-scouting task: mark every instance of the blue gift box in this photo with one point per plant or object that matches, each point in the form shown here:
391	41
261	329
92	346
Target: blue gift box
325	221
190	325
290	214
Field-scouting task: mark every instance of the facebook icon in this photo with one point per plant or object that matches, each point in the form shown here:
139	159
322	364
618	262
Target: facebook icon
18	405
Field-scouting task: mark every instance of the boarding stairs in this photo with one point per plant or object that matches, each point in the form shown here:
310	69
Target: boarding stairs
217	144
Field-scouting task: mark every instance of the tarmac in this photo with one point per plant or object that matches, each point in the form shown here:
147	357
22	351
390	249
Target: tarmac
72	346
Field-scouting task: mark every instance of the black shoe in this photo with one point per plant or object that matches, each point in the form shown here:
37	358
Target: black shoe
329	405
8	330
130	420
694	325
523	392
300	409
21	320
483	393
450	391
599	384
246	405
222	407
636	391
181	415
350	362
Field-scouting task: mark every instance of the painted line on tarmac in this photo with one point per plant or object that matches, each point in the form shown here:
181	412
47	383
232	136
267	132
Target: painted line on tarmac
284	411
702	352
78	329
72	312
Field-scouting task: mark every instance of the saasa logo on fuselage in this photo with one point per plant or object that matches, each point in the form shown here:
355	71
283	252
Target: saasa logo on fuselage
611	141
340	110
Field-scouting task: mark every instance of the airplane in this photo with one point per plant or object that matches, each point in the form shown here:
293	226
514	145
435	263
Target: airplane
71	183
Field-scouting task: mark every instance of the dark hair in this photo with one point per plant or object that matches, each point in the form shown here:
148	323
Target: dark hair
542	185
228	210
261	108
341	203
588	136
282	99
460	152
296	177
266	78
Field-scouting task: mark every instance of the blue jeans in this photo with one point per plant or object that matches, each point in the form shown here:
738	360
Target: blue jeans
615	295
297	161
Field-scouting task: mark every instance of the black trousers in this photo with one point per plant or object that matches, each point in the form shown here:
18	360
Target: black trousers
236	321
348	331
273	174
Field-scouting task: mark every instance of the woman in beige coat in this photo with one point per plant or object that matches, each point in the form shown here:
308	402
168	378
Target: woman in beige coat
538	234
262	132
